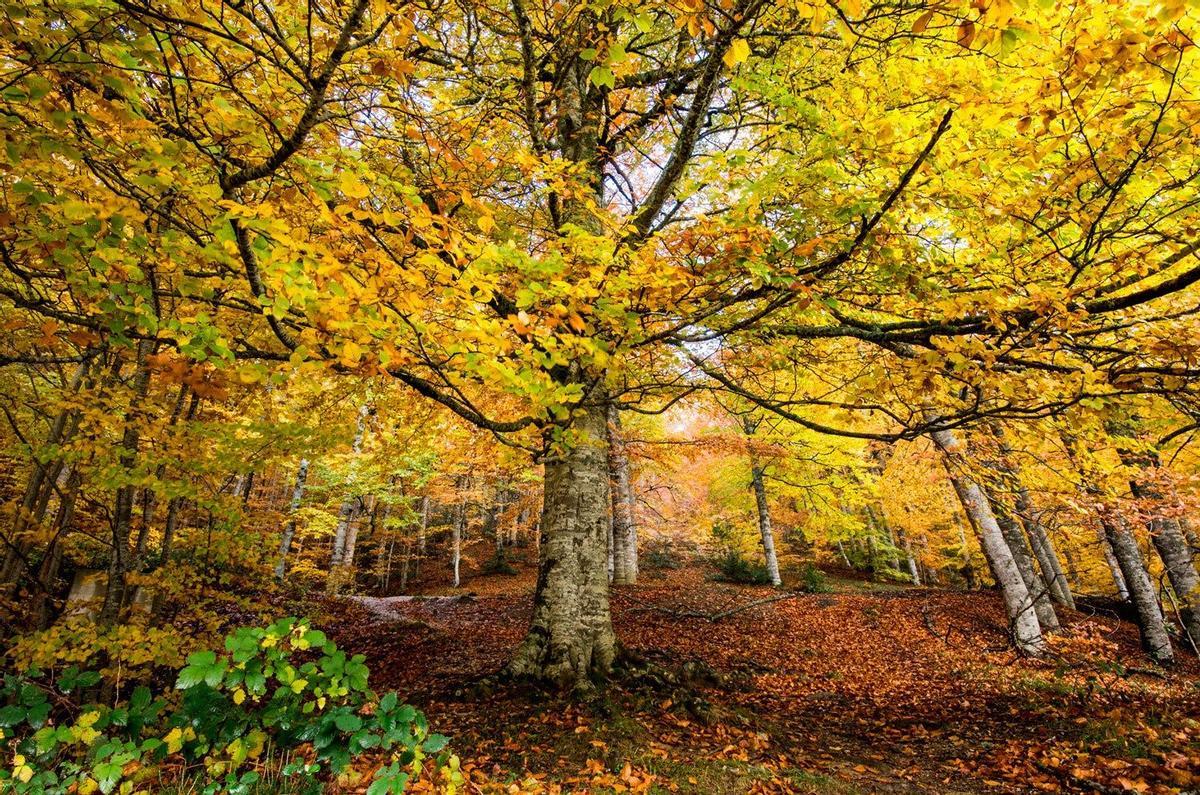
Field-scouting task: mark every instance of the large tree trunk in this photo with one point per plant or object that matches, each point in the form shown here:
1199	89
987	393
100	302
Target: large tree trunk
1176	554
1114	566
1023	621
624	529
571	639
1151	624
1172	546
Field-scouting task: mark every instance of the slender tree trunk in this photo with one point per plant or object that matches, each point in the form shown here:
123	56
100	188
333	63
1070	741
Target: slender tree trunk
52	562
764	523
116	593
289	529
421	528
1043	550
459	525
624	529
1023	620
914	570
1172	546
350	504
1038	587
36	491
571	639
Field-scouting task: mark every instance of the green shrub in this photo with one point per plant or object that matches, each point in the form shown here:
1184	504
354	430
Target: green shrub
498	564
274	689
660	554
732	567
812	579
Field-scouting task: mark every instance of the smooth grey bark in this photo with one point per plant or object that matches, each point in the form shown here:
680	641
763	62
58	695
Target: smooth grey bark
458	526
1023	621
422	526
914	571
1172	546
624	529
571	639
1114	567
1051	573
1038	587
1043	550
289	529
764	523
1151	624
1176	554
350	505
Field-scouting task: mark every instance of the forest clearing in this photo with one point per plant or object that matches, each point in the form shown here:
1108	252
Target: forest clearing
712	396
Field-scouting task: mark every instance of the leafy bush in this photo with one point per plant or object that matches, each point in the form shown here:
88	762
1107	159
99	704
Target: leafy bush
812	579
732	567
498	564
284	688
660	553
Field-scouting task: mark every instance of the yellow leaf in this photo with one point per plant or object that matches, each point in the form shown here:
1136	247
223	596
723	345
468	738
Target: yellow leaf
351	354
738	51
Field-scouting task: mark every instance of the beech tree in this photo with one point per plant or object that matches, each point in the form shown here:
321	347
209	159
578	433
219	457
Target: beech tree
531	215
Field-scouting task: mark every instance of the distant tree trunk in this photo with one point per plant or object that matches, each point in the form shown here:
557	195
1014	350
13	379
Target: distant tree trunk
914	571
1026	629
571	638
366	507
1142	592
624	529
289	529
423	524
459	525
116	593
175	504
37	490
350	504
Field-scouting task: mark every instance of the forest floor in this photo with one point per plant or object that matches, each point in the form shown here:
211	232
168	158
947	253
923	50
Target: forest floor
863	689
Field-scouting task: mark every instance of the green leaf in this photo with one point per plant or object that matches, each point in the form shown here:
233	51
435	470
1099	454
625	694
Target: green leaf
348	722
602	76
435	743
